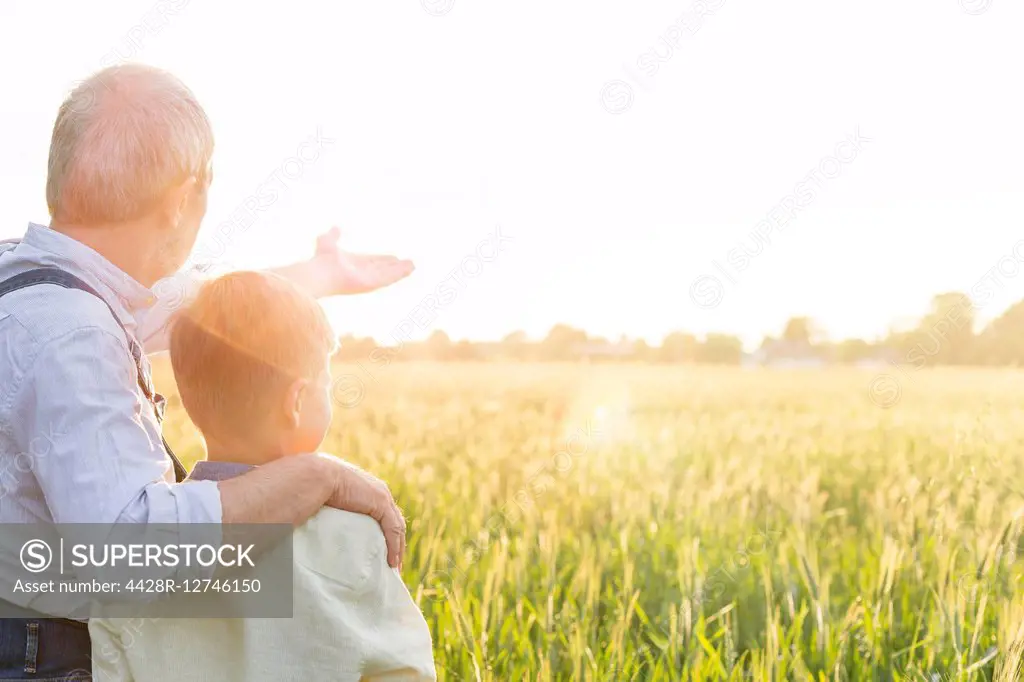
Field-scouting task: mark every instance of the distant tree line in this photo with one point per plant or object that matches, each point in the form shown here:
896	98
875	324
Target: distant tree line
945	335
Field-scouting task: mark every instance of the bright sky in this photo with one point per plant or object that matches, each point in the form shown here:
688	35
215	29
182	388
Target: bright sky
450	118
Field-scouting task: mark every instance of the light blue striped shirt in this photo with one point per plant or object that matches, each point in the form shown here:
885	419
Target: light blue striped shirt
79	442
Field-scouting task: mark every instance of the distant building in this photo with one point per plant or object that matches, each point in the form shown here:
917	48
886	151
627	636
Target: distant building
603	350
786	354
881	358
790	354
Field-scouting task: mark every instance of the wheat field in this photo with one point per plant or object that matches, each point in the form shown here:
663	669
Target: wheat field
574	522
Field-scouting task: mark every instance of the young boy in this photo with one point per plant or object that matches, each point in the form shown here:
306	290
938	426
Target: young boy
251	358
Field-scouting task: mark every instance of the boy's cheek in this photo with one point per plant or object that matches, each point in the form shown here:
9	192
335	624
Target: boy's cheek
326	414
311	437
314	423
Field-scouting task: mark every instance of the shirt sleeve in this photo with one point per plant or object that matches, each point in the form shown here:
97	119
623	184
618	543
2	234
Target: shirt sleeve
366	597
93	457
172	295
399	650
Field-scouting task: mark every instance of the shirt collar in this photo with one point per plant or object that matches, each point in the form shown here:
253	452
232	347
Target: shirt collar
78	259
218	471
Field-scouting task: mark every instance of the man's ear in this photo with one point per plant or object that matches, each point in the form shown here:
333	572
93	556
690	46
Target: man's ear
293	399
176	200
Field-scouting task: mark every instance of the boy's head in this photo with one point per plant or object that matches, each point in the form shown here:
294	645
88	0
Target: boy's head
251	358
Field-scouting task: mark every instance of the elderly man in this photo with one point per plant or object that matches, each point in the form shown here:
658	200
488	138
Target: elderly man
80	439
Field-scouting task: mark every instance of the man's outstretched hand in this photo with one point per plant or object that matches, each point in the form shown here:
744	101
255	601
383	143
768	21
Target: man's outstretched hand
332	271
355	273
362	493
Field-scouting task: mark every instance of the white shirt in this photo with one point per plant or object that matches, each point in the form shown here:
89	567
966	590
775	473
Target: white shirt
353	619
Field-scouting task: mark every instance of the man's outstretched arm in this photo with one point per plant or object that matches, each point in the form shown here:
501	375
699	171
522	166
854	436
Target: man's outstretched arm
330	272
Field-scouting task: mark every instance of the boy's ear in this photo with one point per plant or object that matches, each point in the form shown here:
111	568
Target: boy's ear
293	398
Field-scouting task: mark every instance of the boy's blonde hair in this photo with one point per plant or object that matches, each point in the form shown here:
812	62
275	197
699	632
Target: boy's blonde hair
240	344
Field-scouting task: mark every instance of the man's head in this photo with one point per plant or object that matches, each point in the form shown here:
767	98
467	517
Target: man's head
251	358
132	146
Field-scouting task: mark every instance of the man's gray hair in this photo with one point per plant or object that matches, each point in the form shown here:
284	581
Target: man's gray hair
122	138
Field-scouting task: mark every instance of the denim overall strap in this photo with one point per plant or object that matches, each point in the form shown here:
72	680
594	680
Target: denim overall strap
59	277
